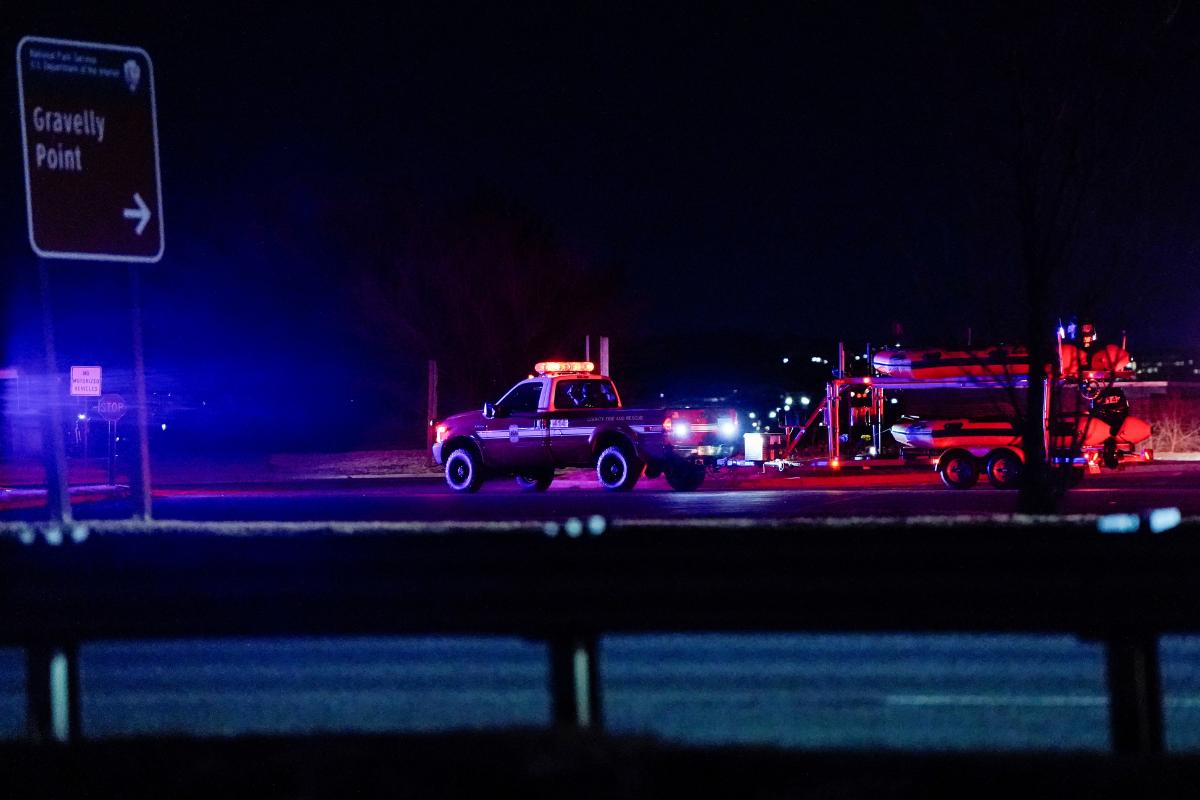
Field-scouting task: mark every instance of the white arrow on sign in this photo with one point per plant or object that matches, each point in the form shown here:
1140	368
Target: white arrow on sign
141	214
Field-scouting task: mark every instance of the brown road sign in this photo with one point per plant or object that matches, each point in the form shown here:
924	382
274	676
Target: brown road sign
90	139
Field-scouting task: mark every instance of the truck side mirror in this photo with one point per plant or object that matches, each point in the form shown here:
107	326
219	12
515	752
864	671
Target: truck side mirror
489	411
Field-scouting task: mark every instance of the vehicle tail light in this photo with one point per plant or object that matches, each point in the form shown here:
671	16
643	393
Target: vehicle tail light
668	423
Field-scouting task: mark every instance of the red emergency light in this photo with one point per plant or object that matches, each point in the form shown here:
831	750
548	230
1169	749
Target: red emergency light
548	367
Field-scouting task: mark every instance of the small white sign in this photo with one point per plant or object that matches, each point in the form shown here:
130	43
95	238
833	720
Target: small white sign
85	381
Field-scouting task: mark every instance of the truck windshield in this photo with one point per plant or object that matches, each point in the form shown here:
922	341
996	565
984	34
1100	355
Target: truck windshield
522	398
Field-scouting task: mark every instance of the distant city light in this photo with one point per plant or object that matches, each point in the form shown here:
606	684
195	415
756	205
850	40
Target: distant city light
164	426
786	359
772	415
787	401
894	401
83	416
804	401
787	408
816	359
752	415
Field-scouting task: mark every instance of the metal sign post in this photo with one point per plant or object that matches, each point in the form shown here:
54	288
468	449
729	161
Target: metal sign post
58	490
140	472
93	188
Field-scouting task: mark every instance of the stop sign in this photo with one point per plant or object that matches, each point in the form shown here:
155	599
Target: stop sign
111	407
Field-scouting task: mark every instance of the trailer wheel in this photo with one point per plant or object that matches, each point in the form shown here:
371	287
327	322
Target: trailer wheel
1109	456
1004	469
958	469
685	477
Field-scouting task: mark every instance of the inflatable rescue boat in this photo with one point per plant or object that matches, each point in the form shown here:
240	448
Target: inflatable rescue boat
946	434
1093	431
933	364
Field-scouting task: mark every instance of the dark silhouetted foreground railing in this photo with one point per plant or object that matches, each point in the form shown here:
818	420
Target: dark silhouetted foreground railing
569	583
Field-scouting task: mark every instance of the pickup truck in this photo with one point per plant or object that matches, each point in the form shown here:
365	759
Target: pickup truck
566	415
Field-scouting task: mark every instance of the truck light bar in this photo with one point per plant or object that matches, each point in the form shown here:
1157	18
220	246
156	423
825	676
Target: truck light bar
545	367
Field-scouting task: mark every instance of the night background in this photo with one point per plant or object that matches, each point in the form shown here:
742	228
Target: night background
277	576
350	193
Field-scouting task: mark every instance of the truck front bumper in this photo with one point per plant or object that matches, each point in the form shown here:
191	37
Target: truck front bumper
437	453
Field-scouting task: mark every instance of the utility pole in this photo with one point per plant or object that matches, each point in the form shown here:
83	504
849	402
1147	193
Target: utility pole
431	404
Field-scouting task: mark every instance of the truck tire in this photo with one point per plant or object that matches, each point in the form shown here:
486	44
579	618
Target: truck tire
464	472
685	477
536	481
618	469
958	469
1004	469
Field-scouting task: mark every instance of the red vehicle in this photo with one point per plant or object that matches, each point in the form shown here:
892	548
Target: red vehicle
569	416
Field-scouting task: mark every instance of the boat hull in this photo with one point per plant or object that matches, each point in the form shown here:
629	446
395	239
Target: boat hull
932	364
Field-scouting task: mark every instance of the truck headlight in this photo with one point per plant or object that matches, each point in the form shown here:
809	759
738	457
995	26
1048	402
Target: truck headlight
728	429
681	429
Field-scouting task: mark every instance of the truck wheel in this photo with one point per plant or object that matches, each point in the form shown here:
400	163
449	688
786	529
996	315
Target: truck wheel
618	469
959	469
1004	470
464	473
685	477
538	481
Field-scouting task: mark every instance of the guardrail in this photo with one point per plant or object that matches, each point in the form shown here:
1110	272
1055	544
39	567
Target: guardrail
567	584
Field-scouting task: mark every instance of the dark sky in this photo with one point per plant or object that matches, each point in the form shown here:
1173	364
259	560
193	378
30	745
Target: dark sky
812	170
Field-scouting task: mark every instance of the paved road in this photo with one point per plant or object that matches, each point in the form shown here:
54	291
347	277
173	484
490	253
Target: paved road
897	691
1132	490
905	691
